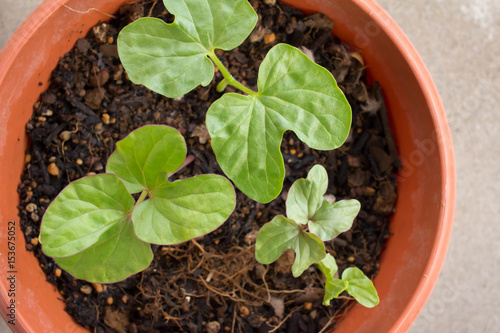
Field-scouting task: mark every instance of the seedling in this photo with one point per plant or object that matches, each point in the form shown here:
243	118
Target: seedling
293	93
98	232
353	280
311	221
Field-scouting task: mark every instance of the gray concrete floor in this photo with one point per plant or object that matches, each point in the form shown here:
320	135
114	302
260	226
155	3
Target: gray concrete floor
459	42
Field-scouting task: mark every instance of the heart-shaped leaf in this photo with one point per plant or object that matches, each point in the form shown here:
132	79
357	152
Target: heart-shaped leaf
146	156
305	204
294	94
281	234
184	209
110	260
333	286
360	287
331	220
172	59
94	227
86	212
306	195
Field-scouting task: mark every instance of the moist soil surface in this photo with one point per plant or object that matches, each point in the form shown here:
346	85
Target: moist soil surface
211	284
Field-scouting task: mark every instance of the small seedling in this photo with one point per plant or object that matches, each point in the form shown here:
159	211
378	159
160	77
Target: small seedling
353	280
98	232
293	93
311	221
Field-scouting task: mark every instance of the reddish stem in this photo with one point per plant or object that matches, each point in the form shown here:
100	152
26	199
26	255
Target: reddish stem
189	159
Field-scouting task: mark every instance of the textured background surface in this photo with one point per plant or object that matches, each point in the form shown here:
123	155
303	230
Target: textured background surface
458	40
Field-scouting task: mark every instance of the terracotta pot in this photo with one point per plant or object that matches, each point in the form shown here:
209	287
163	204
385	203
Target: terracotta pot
422	224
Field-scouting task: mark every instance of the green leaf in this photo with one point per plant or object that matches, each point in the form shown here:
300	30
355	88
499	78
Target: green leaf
184	209
305	204
86	212
145	157
360	287
294	94
330	220
171	59
306	195
110	260
281	234
90	228
333	286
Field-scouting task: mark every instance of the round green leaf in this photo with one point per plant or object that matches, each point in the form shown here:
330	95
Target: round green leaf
306	195
110	260
330	220
247	145
171	59
83	214
333	286
328	266
305	204
294	94
216	24
281	234
163	57
145	157
184	209
360	287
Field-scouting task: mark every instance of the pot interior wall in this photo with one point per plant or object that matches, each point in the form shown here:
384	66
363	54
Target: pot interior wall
408	261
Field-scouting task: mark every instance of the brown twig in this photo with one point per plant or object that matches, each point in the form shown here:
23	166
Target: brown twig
283	321
234	320
152	7
265	284
220	293
332	319
198	246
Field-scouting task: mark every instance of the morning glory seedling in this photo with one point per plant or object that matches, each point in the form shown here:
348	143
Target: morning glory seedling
293	93
353	280
311	221
98	232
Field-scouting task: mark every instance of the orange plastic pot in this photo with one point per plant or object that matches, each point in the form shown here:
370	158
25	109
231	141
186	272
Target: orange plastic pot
422	224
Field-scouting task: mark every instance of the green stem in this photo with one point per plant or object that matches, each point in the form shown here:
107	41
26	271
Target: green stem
228	77
221	86
144	193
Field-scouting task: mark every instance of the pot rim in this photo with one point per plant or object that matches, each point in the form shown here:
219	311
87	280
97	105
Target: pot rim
447	157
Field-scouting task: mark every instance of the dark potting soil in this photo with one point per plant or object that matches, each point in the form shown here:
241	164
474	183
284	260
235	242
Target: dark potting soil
211	284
